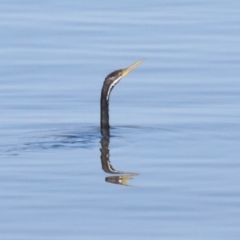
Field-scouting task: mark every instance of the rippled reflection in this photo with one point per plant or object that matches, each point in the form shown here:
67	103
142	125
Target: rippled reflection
108	168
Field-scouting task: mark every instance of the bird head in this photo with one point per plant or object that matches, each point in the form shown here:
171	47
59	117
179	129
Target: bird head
113	78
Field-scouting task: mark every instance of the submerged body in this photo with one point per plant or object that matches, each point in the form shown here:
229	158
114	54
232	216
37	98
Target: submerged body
110	81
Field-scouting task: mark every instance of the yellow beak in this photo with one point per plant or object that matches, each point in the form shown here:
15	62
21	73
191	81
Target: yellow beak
127	70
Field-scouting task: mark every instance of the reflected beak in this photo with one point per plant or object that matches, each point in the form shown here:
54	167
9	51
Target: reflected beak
127	70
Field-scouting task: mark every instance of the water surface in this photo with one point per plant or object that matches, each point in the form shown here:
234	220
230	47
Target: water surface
175	120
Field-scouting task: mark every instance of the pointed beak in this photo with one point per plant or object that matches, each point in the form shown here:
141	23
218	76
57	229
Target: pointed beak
127	70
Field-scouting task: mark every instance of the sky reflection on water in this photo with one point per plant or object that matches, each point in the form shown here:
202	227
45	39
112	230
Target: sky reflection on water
175	120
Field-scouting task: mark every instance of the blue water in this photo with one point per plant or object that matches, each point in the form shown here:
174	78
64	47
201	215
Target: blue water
175	120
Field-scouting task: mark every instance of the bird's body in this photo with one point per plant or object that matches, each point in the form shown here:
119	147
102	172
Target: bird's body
110	81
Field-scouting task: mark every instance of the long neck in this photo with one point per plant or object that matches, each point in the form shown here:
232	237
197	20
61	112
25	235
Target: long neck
110	81
104	114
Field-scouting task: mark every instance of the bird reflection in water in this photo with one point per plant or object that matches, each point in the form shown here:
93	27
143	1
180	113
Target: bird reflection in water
108	168
110	81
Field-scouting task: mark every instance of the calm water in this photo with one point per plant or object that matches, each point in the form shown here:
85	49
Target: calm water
175	120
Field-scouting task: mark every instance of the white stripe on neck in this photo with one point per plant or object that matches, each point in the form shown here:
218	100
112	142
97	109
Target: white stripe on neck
112	85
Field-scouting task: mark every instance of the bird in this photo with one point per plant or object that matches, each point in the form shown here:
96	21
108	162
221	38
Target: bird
110	81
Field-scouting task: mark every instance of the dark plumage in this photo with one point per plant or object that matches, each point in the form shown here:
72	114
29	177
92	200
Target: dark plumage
110	81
